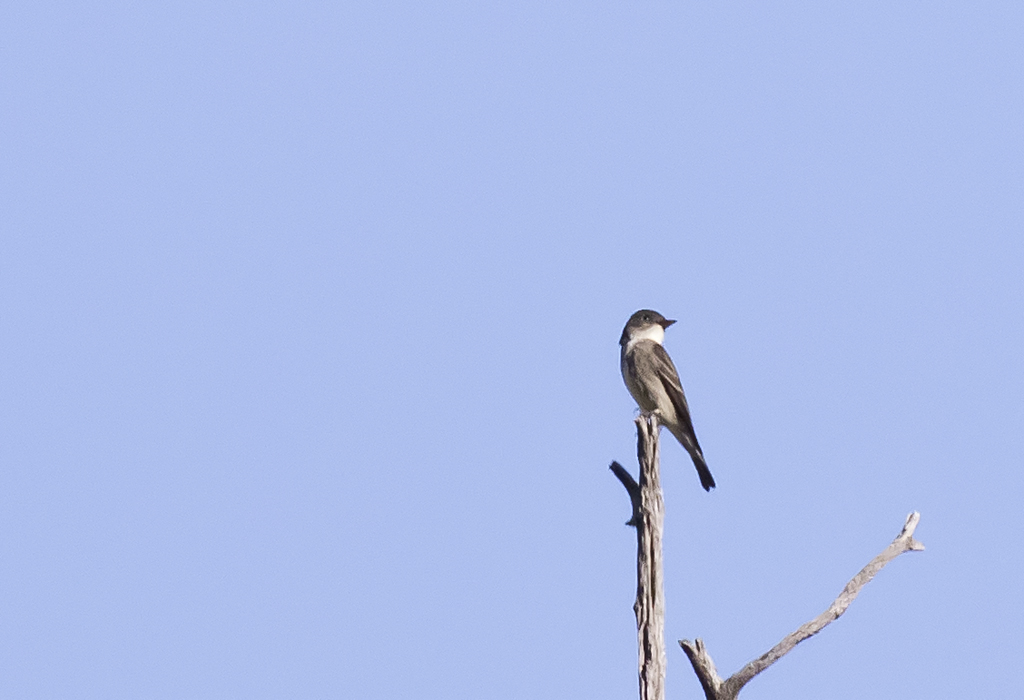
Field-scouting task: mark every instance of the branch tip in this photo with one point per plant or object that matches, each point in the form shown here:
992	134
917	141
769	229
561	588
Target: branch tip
907	534
912	520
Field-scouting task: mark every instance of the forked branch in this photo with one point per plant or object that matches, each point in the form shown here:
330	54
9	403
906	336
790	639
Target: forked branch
717	689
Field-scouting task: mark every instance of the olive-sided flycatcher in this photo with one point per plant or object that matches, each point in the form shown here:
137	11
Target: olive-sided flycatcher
654	383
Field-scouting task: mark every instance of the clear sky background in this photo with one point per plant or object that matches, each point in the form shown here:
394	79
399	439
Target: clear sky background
309	318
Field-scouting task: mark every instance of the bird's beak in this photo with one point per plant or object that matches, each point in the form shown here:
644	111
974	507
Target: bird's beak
666	323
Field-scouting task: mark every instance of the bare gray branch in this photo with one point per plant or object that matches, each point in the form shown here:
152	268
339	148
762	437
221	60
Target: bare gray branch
648	518
704	667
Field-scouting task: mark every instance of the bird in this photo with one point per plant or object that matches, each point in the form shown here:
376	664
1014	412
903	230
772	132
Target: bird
654	383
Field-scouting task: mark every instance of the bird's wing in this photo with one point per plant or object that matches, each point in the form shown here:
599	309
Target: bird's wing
666	371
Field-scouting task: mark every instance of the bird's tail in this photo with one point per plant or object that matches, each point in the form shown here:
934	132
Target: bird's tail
689	443
706	480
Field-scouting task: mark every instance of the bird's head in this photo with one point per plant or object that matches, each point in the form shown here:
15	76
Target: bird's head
645	325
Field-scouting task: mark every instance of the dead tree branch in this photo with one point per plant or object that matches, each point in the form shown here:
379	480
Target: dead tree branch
717	689
648	519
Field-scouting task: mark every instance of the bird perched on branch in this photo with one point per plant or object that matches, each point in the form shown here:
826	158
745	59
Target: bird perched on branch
654	383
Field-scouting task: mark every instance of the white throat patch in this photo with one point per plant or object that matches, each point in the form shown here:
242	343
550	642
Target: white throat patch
653	332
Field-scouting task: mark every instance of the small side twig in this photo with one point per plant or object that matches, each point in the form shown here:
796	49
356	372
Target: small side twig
717	689
632	488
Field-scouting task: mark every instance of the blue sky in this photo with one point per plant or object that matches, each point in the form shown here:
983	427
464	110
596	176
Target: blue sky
309	319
